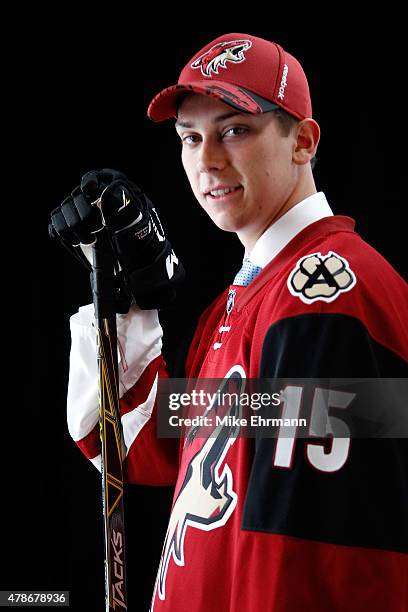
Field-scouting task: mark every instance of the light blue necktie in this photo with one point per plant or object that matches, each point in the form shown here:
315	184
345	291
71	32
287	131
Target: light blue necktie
247	273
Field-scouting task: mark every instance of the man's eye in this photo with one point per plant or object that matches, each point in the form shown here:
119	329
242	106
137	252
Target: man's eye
235	131
189	139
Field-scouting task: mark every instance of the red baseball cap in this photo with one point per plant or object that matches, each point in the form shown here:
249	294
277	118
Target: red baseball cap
248	73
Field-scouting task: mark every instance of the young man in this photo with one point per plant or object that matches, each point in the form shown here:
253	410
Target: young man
268	523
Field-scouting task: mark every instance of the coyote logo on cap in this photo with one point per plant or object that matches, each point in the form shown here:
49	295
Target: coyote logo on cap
220	54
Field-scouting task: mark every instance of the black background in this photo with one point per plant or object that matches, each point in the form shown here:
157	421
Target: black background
84	94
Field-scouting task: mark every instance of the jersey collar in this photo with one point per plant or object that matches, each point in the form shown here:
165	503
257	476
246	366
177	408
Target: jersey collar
280	233
320	229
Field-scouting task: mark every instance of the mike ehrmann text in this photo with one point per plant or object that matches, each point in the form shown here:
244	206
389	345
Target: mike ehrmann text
256	420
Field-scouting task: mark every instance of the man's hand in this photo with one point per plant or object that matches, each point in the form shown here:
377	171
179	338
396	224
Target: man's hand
78	218
107	199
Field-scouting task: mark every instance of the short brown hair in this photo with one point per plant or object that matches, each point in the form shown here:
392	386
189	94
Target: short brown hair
286	122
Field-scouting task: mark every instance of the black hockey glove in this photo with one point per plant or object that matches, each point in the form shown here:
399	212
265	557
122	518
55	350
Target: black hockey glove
107	198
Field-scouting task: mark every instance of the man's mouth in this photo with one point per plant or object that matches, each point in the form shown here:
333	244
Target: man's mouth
221	192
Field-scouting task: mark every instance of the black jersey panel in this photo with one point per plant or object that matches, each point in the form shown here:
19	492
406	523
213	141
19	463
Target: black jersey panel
365	502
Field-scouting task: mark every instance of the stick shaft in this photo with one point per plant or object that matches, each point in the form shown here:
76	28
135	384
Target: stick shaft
110	425
112	474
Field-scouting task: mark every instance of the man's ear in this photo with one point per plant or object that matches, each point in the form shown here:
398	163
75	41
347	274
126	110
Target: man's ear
307	136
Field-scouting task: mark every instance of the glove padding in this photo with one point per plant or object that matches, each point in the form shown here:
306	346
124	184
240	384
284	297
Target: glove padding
108	199
147	259
77	220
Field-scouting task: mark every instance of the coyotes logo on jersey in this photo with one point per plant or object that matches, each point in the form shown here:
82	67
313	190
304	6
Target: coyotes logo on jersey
206	498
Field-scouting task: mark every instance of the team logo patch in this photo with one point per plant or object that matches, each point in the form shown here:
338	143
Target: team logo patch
321	277
231	51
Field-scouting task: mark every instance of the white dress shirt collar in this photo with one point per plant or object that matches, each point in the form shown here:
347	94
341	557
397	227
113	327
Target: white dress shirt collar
280	233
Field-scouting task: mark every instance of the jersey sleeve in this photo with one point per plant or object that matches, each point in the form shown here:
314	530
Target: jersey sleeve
149	460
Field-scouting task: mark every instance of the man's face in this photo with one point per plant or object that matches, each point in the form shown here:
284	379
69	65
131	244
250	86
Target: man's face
225	149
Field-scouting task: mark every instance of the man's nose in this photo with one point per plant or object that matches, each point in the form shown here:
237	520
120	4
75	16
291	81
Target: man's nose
212	156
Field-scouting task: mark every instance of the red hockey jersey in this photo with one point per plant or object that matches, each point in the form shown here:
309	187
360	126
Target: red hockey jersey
263	524
252	529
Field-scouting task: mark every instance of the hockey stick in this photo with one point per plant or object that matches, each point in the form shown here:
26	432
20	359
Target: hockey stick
110	425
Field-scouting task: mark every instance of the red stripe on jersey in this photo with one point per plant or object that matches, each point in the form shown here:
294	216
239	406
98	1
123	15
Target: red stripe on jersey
139	393
293	574
91	444
150	460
